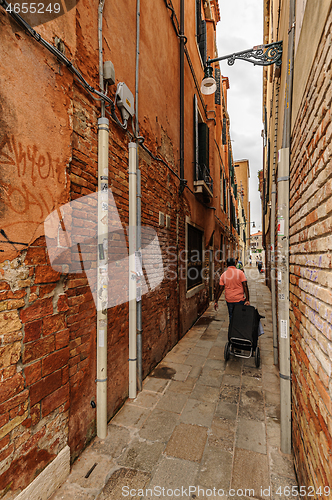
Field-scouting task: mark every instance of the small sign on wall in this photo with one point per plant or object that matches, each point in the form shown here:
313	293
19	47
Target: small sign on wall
281	226
283	329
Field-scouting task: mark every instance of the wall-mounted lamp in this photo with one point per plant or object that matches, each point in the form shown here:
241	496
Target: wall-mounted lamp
261	55
209	85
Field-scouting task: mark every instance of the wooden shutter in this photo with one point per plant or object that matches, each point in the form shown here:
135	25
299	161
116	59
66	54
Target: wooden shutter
196	144
202	42
203	138
224	135
217	94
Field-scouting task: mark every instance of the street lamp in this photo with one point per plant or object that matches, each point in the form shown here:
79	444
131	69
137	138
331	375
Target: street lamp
260	55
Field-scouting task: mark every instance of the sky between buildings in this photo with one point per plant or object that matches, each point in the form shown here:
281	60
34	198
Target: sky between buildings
241	28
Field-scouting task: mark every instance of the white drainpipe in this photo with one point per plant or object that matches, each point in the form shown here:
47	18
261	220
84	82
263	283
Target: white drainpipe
102	277
132	147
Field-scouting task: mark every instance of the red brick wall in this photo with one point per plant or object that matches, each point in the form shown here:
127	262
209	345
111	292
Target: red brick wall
310	274
34	390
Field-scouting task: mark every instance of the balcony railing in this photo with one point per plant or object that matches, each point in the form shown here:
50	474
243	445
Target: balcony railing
203	182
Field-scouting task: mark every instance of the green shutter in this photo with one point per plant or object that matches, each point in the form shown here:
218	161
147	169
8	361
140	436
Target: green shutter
203	142
202	44
224	135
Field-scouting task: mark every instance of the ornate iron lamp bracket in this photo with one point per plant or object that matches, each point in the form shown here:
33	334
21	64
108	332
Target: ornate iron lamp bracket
261	55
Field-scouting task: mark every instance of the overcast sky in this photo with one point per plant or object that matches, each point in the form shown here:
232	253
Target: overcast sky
241	28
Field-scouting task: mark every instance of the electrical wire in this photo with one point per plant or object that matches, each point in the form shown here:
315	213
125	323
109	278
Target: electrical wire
81	80
64	60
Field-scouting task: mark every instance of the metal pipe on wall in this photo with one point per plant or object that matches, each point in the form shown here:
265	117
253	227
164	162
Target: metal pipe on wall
102	271
139	211
132	150
283	249
102	250
273	272
100	49
182	93
272	232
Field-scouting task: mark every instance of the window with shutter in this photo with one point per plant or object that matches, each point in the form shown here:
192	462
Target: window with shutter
267	199
202	42
217	94
224	135
203	145
201	149
196	143
225	196
221	189
198	19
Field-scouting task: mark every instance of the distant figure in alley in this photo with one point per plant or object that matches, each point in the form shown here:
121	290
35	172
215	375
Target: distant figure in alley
234	282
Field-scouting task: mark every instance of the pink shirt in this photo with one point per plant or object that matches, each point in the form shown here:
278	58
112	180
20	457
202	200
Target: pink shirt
232	279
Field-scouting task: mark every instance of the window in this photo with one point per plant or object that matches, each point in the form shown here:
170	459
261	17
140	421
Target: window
195	257
203	145
224	131
201	32
217	94
221	189
225	195
201	149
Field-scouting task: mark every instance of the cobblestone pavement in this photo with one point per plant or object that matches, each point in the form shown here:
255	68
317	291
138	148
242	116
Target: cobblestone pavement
201	428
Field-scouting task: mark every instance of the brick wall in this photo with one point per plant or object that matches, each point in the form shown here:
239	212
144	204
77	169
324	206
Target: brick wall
310	274
34	391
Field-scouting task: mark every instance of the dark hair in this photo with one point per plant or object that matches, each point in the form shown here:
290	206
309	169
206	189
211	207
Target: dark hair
230	262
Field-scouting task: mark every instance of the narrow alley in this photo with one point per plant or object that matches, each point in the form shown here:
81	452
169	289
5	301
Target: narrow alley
137	161
198	423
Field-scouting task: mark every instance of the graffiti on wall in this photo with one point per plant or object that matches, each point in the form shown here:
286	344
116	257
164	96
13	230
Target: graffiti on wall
30	178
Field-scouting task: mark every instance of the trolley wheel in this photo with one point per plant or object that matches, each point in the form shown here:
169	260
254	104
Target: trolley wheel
257	357
226	351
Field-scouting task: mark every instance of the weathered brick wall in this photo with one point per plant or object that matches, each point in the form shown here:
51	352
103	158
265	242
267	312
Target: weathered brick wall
48	318
34	391
310	274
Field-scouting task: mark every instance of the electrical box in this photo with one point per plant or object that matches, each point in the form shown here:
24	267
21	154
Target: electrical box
125	100
109	73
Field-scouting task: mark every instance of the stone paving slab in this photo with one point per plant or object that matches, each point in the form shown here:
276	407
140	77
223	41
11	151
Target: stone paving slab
131	416
155	384
187	442
199	422
124	480
115	442
205	393
251	435
172	401
102	465
142	455
198	412
251	471
173	474
146	399
212	473
222	434
159	425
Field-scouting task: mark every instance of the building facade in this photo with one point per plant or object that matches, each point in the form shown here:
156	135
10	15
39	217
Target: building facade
243	174
297	110
49	157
